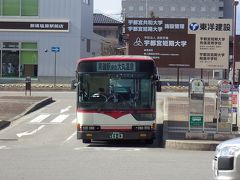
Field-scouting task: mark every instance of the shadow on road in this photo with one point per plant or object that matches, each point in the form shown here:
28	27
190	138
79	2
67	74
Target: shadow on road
125	144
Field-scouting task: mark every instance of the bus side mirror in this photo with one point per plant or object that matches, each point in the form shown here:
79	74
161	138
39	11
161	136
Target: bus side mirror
159	86
74	84
155	77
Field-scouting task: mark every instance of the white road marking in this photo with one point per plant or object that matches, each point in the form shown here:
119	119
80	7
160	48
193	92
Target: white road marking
74	121
65	110
4	147
107	149
40	118
60	118
26	133
70	137
48	123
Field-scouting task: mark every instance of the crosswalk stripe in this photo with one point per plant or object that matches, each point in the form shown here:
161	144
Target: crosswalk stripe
74	121
40	118
60	118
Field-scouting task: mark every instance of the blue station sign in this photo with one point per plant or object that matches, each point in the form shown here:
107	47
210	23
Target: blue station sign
55	49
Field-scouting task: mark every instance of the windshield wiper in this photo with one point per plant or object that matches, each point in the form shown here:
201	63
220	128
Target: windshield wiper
116	102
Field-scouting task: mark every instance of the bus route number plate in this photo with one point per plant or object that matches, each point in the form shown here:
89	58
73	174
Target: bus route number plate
116	135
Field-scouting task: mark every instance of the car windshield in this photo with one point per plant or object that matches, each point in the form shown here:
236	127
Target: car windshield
115	91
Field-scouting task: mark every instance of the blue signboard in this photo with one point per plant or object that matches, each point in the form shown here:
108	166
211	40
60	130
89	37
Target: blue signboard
55	49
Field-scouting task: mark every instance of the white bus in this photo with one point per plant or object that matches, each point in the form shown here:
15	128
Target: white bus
116	98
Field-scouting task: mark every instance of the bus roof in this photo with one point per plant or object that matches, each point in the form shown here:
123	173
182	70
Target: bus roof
116	58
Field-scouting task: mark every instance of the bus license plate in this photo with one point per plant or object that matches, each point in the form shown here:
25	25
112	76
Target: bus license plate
116	135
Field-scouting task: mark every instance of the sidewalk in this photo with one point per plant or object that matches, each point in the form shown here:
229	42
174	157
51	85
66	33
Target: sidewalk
14	107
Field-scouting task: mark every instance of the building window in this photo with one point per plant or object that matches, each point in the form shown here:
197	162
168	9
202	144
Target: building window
203	9
88	45
213	9
28	59
140	8
10	59
151	8
11	7
29	7
173	8
131	8
160	8
19	59
183	9
86	1
19	7
193	9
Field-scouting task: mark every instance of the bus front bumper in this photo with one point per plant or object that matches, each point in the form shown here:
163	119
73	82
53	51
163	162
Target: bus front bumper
110	135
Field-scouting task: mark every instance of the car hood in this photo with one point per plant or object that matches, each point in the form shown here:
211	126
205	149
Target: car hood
232	142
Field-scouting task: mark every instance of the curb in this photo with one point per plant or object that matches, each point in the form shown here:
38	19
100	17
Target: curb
192	145
34	107
38	105
4	124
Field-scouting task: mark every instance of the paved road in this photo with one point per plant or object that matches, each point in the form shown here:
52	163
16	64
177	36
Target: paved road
43	145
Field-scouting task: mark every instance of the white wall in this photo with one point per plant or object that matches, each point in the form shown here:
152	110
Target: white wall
87	32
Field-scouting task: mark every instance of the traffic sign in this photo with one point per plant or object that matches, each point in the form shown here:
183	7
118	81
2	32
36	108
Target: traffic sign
55	49
196	120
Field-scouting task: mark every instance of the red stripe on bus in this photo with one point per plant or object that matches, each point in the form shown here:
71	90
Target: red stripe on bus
116	128
116	114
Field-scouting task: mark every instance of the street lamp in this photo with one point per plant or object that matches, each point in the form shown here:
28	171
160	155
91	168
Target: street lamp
235	3
146	8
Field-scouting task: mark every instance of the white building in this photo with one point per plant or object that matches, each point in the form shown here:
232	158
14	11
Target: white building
31	32
178	8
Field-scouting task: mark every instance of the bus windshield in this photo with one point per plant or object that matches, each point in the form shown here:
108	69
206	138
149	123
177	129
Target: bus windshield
109	91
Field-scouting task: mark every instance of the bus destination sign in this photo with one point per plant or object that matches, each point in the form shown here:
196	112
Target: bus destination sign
116	66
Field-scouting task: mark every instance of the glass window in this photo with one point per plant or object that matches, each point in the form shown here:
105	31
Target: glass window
88	45
183	8
203	9
140	8
146	93
0	7
29	7
19	63
111	91
29	45
29	57
10	45
86	1
11	8
173	8
213	9
10	63
193	9
160	8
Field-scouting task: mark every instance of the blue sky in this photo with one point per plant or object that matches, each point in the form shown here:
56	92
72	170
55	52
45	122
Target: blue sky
113	8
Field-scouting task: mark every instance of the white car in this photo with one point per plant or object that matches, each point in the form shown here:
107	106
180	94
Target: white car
226	163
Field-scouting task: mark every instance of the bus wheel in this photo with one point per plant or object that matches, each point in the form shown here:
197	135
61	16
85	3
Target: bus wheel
149	141
86	141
